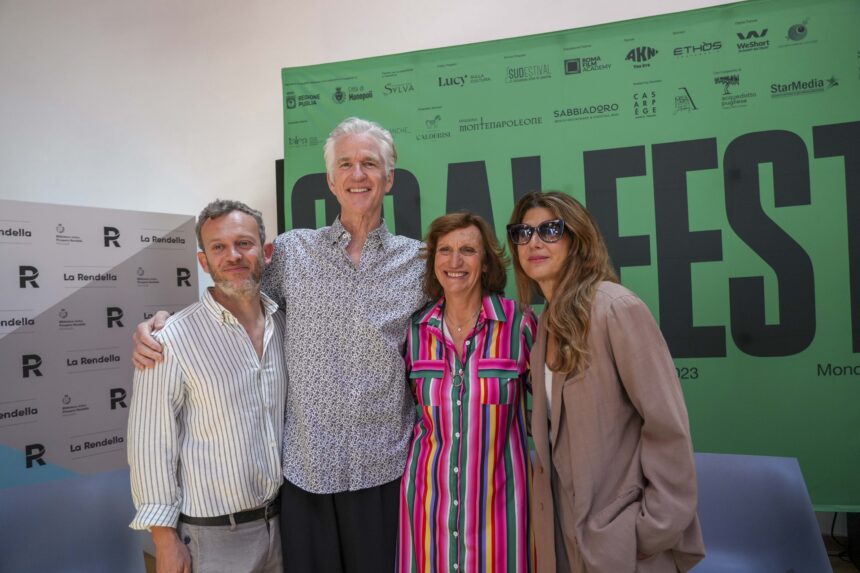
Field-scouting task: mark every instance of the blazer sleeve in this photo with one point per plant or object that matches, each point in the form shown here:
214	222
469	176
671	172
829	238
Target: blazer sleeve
650	380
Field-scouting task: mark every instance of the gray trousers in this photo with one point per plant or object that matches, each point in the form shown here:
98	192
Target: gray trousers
245	548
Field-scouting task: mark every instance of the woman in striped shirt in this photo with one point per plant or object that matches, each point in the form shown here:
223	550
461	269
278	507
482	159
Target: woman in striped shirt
464	503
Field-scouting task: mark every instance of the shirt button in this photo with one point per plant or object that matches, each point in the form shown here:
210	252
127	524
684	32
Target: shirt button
461	371
456	566
456	534
456	502
457	435
459	402
467	342
456	470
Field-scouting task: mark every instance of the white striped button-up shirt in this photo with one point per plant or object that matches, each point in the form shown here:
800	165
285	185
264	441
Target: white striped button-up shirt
205	425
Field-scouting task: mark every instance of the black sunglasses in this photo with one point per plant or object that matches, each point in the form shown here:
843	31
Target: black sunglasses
549	232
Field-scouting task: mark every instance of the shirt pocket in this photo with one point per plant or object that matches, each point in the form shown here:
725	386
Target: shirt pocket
498	380
426	379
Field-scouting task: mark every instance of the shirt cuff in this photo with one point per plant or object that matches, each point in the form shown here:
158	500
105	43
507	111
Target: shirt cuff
155	515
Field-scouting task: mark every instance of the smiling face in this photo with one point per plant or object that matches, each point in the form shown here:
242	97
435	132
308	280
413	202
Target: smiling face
459	262
543	262
359	180
232	253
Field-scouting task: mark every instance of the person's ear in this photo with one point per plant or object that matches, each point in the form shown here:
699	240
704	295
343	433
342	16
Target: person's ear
201	258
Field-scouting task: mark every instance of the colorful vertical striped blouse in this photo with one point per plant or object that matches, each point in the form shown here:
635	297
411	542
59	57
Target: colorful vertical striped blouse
464	495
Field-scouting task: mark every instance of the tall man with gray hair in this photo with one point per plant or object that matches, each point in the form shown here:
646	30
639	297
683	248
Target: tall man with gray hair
348	291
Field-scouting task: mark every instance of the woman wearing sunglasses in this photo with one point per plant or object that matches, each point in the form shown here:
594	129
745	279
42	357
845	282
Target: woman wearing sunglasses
614	479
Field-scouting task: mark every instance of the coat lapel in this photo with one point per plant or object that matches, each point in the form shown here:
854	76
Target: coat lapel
540	428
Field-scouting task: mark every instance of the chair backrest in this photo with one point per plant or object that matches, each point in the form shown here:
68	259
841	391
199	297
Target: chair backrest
74	525
757	516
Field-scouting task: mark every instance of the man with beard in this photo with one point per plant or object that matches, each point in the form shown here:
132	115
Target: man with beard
205	425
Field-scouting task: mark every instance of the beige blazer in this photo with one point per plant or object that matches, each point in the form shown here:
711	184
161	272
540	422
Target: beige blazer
622	452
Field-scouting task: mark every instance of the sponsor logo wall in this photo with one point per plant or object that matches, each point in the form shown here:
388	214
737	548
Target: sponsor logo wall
719	151
74	282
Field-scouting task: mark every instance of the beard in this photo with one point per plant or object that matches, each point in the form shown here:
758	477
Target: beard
244	287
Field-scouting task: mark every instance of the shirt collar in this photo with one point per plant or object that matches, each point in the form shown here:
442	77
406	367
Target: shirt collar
337	233
270	307
492	308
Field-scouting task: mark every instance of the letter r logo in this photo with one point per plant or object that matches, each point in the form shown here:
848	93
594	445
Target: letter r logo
33	454
117	398
30	364
182	277
27	275
111	236
114	314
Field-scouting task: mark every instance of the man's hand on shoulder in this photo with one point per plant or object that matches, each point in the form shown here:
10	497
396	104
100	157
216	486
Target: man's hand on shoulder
147	350
171	555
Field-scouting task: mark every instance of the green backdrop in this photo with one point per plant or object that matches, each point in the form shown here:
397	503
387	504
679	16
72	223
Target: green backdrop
719	150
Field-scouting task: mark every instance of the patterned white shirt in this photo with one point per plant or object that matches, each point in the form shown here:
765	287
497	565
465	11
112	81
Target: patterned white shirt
349	410
205	425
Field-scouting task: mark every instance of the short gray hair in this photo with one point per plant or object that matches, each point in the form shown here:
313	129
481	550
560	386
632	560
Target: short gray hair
221	207
358	126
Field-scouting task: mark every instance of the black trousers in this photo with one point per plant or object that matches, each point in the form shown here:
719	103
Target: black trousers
348	532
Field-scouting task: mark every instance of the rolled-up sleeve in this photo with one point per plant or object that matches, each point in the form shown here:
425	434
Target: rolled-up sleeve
153	443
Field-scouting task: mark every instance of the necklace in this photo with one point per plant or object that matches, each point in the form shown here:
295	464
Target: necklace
457	379
468	320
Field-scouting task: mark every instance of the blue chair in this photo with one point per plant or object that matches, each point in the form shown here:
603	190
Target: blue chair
73	525
757	516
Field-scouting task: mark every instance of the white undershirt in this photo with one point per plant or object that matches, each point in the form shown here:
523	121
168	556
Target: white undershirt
547	380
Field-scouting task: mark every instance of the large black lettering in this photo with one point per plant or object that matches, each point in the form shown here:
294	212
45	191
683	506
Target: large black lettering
525	175
602	169
678	247
407	204
843	139
469	189
405	191
786	152
306	191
